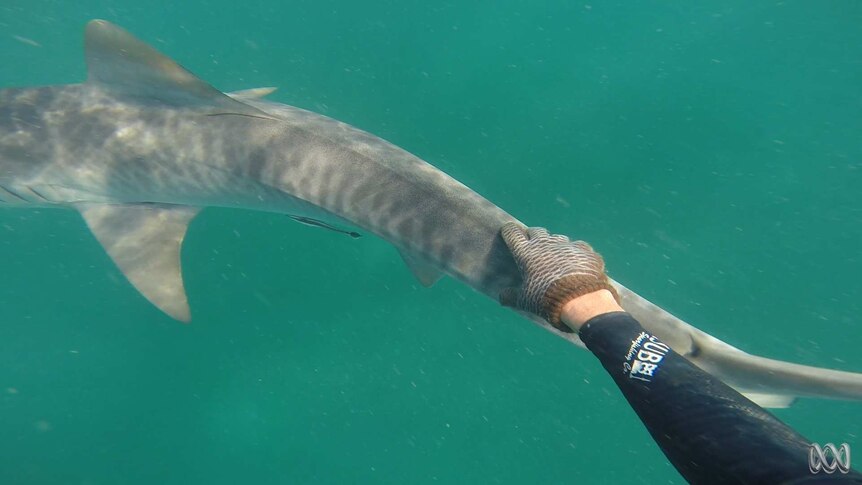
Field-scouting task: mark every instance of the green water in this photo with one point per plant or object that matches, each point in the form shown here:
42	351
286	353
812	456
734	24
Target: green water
711	152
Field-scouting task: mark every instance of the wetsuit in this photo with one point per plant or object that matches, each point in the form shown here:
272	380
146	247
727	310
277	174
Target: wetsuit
708	431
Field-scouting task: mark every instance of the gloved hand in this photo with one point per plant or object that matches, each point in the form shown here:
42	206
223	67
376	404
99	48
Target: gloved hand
555	270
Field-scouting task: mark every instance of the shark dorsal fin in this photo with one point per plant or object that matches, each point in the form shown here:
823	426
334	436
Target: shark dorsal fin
144	240
253	93
117	61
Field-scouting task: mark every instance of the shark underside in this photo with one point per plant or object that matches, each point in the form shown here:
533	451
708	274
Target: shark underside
143	145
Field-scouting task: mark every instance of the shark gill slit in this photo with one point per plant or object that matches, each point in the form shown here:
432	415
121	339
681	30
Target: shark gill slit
13	194
37	194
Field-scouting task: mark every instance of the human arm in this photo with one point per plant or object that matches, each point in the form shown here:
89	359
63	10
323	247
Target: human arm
709	432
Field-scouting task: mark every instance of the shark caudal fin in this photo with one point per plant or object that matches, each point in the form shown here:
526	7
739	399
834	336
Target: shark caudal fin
767	382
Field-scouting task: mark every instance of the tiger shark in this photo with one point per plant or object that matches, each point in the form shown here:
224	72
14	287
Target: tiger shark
143	145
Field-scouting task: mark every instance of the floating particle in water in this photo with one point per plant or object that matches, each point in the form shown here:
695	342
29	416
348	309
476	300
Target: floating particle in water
43	426
25	40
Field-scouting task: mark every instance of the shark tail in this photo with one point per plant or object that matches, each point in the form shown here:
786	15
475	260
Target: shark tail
767	382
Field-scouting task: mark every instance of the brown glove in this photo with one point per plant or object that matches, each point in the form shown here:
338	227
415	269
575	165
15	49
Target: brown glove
555	270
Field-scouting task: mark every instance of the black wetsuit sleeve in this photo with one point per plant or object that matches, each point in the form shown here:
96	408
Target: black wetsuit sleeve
708	431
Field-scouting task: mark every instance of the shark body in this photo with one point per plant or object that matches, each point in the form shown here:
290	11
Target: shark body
143	145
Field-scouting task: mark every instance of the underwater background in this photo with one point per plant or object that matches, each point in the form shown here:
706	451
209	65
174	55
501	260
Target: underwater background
712	152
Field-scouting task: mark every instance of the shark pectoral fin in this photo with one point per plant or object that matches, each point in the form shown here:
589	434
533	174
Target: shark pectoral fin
424	272
253	93
119	62
144	241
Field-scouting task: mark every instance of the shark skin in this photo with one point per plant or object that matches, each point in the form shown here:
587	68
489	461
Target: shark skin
143	145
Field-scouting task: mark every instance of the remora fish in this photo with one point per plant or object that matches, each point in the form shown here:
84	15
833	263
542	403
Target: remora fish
143	145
